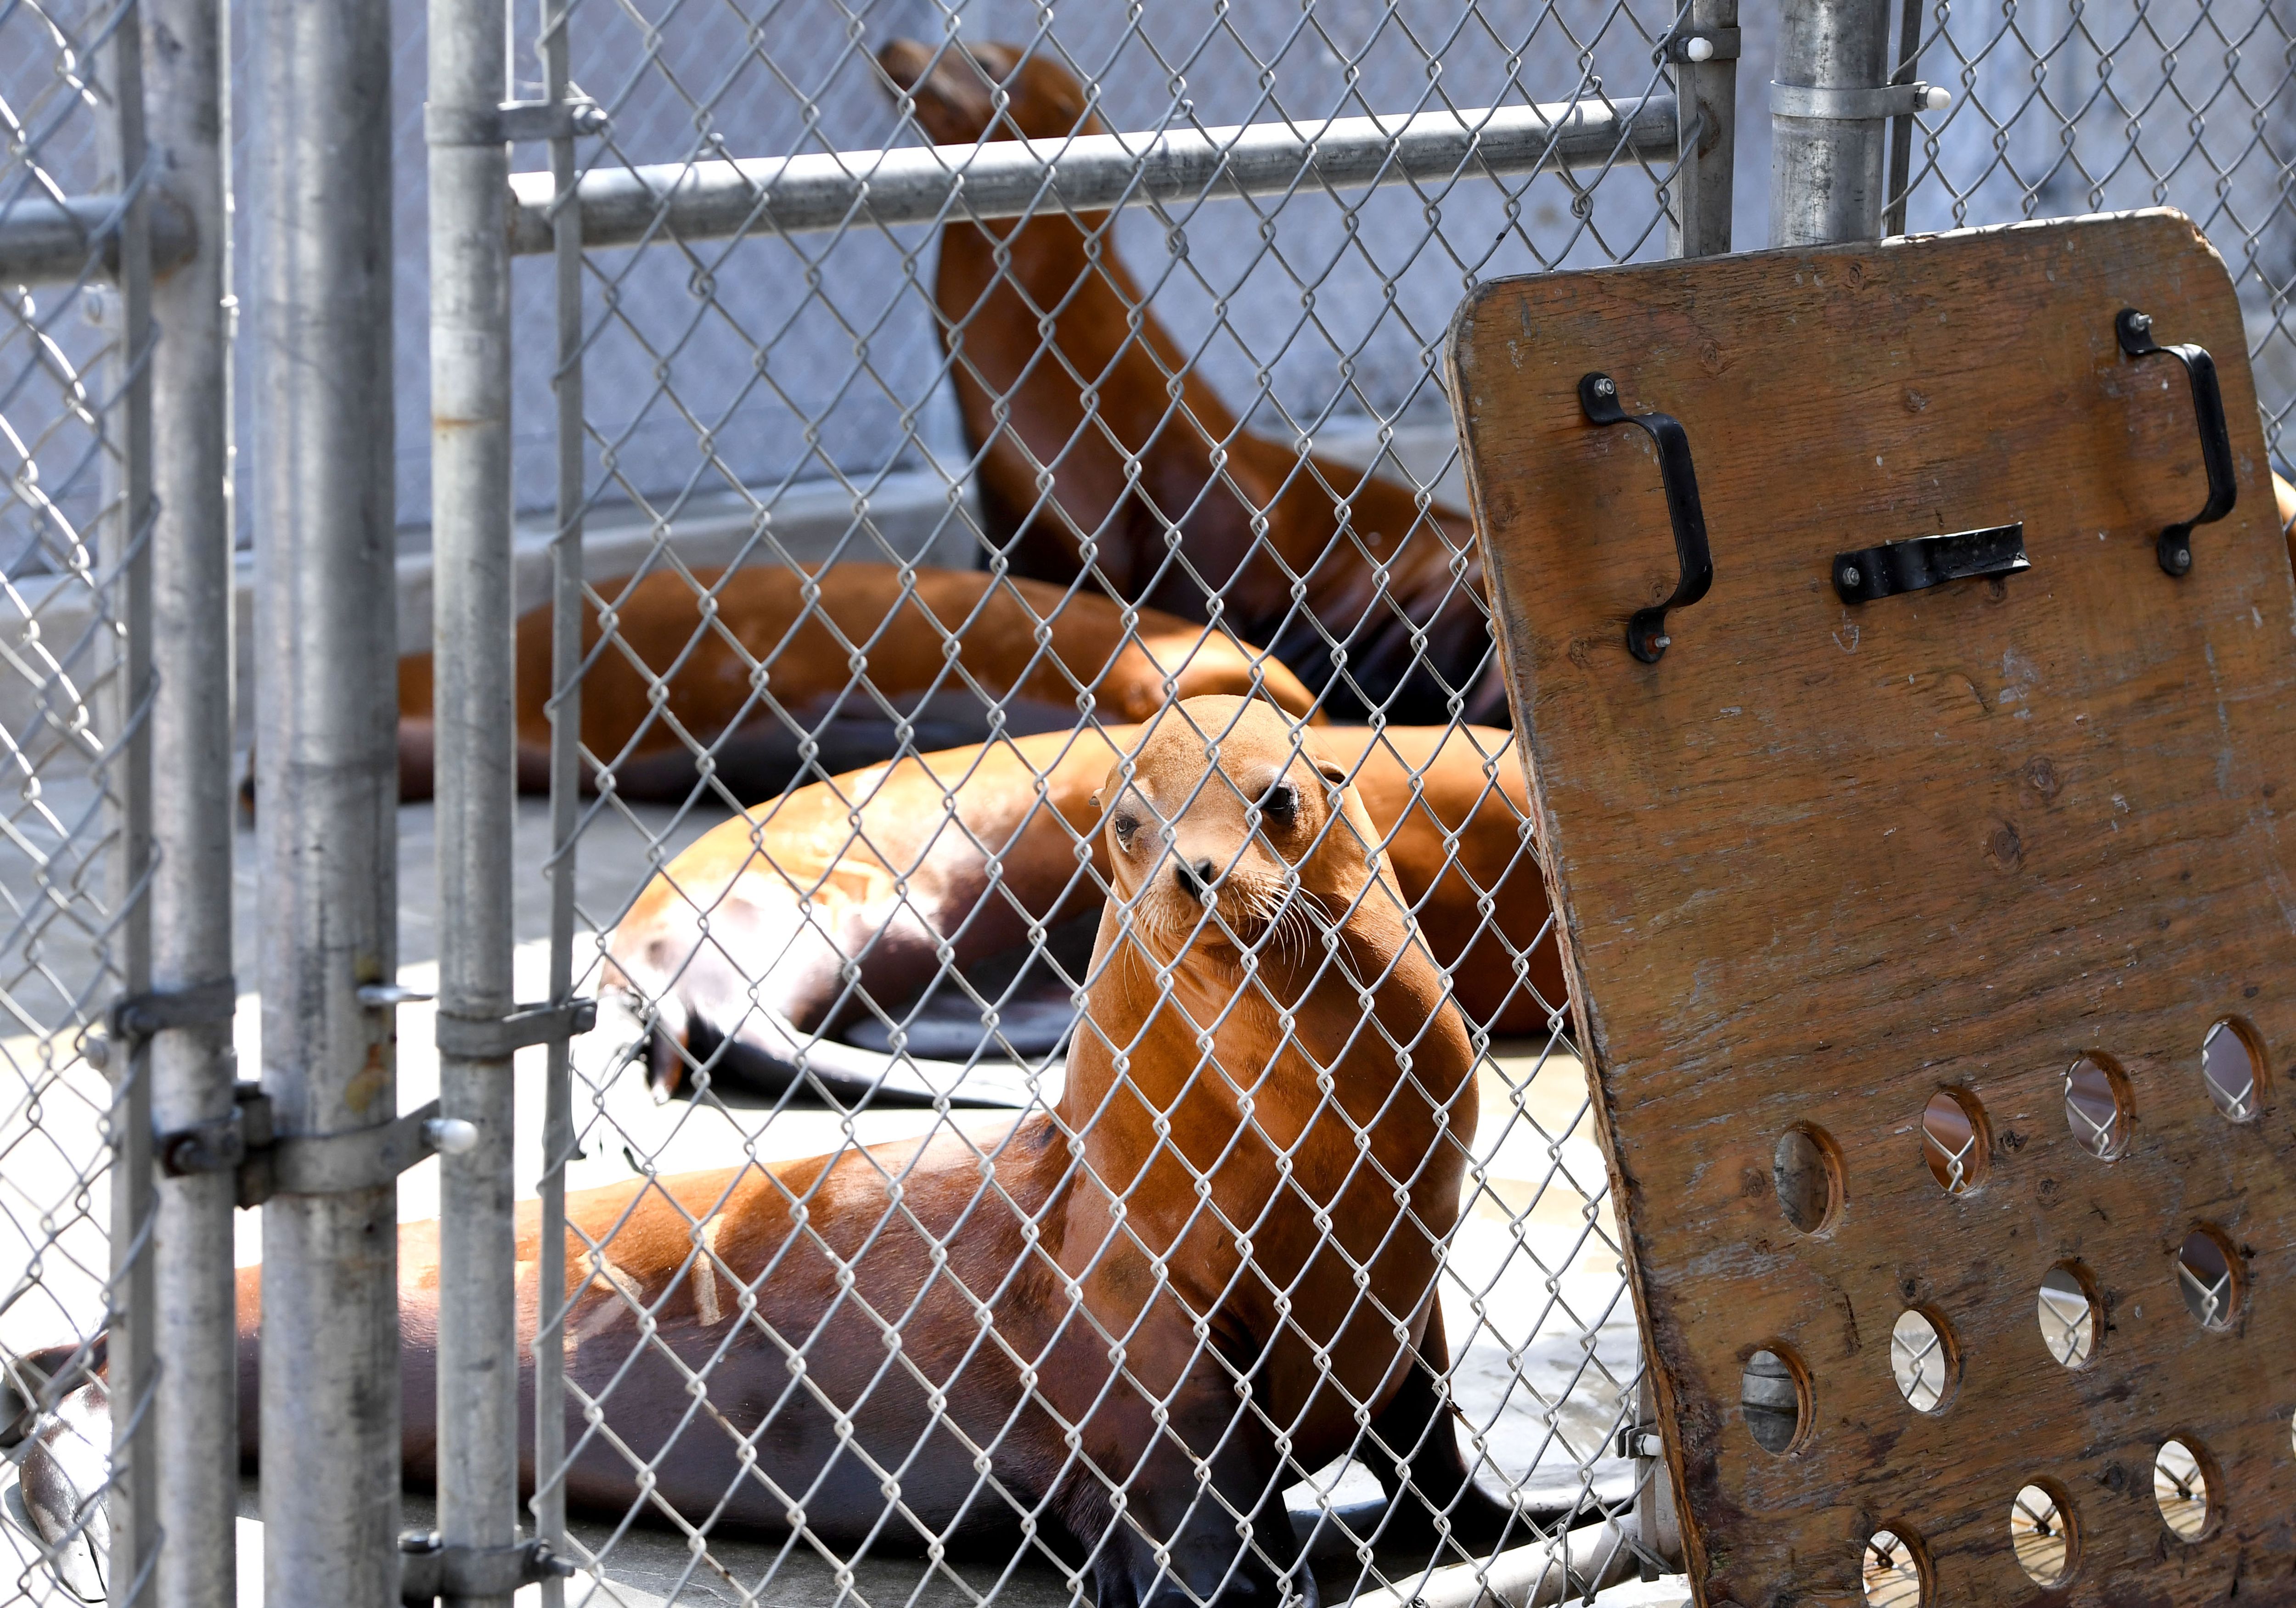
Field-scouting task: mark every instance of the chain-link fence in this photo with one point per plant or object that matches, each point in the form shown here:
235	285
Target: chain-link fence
75	1194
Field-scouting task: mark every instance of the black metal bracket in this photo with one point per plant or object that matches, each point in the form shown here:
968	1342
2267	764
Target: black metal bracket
1646	637
1922	561
2134	330
499	1037
428	1569
268	1163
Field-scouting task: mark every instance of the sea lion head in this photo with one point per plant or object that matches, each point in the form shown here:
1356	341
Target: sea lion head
955	89
1226	830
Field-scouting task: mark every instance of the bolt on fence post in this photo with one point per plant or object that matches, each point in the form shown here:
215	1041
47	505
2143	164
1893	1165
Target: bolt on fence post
476	764
1706	94
1825	172
126	770
326	783
196	1428
565	814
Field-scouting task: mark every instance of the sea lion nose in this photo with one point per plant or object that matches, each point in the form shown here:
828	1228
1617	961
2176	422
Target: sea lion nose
1194	879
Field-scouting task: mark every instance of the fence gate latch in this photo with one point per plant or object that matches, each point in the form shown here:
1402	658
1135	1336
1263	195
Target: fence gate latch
499	1037
428	1569
268	1163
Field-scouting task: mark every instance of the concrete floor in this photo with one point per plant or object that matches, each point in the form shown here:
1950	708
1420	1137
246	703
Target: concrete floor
1532	1278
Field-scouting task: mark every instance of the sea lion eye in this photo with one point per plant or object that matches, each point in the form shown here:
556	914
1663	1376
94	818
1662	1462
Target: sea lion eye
1281	807
1125	826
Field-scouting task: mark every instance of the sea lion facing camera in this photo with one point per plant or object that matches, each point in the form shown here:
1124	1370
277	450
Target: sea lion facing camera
1034	311
781	930
1124	1325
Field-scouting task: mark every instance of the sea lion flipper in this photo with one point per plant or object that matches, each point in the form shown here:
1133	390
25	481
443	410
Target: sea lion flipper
1418	1424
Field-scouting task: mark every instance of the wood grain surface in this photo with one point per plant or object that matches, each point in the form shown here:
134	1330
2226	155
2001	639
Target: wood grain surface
1821	862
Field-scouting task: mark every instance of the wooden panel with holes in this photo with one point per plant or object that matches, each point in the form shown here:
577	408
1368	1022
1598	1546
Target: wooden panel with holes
1935	954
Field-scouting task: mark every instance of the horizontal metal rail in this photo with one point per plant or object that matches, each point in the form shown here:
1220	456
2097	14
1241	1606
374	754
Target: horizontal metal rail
43	241
1091	173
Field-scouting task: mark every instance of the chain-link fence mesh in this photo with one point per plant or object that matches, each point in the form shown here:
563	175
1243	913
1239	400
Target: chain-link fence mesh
863	496
65	895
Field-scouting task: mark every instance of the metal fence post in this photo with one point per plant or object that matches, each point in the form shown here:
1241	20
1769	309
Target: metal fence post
1706	93
565	810
1825	174
196	1432
130	1365
471	649
326	719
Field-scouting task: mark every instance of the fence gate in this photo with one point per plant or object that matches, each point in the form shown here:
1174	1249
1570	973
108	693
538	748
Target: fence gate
937	397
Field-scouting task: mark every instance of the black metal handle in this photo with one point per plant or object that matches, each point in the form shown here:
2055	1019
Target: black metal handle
1646	637
2135	331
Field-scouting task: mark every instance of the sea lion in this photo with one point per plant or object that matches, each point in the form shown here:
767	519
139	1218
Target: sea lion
851	653
737	950
1123	1326
1129	459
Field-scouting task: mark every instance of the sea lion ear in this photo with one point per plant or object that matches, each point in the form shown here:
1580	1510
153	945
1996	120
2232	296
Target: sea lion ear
1332	771
1095	803
950	93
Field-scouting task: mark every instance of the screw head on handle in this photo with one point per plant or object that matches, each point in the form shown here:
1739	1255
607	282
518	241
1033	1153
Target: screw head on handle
1850	575
1606	386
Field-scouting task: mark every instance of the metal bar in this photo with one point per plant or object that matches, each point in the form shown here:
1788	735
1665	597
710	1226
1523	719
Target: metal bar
196	1432
1902	129
471	627
1010	178
565	812
1826	173
1705	193
45	242
326	750
133	1297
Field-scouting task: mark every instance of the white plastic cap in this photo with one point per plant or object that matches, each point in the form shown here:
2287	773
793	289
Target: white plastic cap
1698	49
1936	97
451	1136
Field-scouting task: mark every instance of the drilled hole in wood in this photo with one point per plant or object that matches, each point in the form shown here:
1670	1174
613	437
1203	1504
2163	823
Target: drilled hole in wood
1893	1573
2180	1485
2042	1534
2208	1275
2232	1071
2068	1315
1771	1392
2097	1106
1922	1359
1807	1177
1953	1140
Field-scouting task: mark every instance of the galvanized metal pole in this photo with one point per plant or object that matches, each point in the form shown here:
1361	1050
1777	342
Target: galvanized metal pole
196	1432
326	783
1825	175
565	811
476	760
131	1366
1705	52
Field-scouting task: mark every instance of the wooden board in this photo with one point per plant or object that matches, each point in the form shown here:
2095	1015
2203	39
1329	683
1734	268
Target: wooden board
1822	862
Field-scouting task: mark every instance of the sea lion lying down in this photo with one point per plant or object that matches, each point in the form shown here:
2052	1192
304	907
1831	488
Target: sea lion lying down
724	640
736	954
1143	1313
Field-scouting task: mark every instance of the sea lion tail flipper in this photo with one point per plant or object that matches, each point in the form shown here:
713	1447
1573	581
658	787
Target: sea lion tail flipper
64	1480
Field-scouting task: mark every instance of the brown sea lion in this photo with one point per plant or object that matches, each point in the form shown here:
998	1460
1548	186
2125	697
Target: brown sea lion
1124	1326
1108	405
738	949
851	653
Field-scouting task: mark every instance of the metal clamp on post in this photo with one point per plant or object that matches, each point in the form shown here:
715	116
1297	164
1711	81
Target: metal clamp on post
428	1569
512	123
268	1164
1703	45
139	1016
1856	105
499	1037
